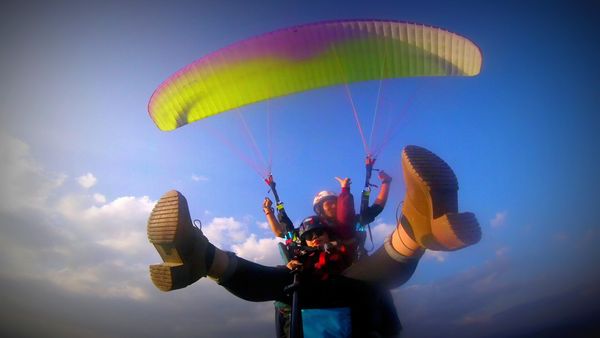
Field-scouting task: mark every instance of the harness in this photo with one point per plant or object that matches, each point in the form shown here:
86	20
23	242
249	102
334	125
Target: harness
363	221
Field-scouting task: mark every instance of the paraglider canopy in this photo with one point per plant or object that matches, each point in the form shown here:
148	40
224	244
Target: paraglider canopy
307	57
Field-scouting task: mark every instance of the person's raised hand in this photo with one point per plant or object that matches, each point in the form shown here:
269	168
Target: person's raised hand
267	205
384	177
344	182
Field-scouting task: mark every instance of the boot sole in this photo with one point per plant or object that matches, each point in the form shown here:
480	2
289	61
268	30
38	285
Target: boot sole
431	168
169	276
456	230
451	230
169	235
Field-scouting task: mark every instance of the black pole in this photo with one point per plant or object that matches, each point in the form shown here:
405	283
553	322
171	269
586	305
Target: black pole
282	216
296	319
366	193
296	315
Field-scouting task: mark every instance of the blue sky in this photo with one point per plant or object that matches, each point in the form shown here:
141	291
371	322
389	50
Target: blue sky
83	164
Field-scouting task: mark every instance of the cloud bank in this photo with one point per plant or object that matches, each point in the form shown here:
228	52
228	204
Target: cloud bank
80	260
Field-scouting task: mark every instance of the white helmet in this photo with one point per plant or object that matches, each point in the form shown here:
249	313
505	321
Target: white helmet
320	198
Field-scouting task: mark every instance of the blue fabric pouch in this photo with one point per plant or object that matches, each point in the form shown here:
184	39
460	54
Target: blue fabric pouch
326	323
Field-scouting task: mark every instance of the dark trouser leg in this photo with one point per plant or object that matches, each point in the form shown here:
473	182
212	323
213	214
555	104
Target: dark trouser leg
255	282
258	283
385	267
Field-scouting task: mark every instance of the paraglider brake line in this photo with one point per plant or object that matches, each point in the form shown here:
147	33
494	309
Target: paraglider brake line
357	120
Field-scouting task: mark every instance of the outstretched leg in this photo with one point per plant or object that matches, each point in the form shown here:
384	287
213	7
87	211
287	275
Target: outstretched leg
189	256
430	221
430	216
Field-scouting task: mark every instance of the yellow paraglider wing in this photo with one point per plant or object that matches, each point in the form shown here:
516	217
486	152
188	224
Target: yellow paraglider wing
307	57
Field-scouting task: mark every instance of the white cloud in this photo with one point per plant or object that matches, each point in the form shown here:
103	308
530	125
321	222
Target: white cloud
98	249
264	250
87	181
109	269
125	241
100	198
199	178
126	208
439	256
68	238
119	224
230	234
263	225
379	231
499	220
223	230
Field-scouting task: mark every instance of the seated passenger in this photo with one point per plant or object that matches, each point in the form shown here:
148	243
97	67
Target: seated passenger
430	220
338	212
327	258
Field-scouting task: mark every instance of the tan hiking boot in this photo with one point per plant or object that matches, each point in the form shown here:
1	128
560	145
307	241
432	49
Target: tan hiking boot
430	209
181	245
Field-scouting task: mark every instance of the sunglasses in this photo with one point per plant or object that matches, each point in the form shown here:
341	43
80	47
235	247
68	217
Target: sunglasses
314	234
